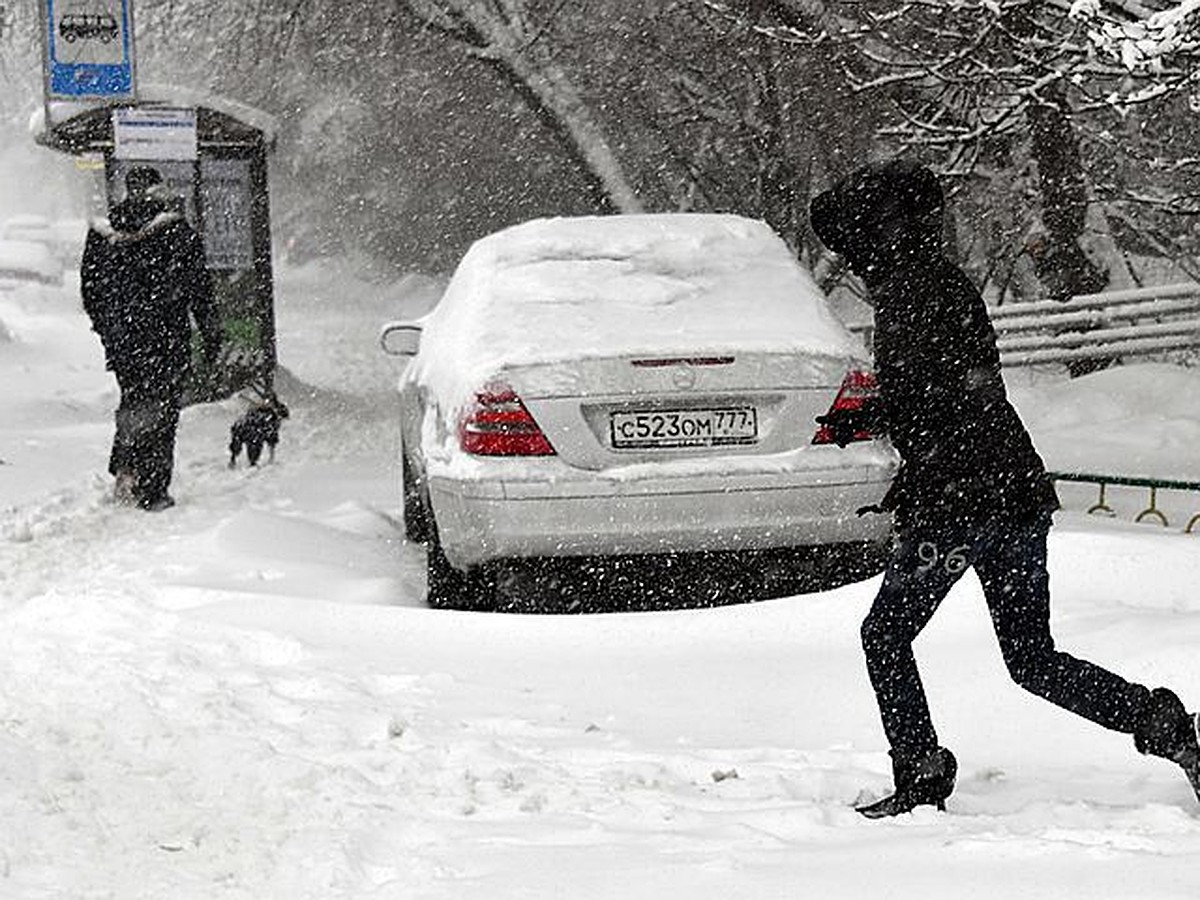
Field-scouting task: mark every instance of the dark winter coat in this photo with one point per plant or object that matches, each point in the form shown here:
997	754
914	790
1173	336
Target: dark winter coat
965	453
143	278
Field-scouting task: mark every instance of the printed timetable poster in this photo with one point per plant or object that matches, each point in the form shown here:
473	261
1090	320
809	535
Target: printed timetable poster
89	49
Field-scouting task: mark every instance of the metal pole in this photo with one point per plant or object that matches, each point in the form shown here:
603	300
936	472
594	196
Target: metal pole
264	277
44	5
133	82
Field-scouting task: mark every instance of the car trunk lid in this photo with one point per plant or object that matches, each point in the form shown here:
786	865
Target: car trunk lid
600	413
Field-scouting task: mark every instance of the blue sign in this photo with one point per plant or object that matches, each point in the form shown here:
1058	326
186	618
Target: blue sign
89	49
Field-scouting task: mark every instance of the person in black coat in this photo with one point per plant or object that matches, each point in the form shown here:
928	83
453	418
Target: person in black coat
144	279
971	490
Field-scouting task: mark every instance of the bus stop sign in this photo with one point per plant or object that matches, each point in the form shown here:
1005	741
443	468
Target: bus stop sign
88	49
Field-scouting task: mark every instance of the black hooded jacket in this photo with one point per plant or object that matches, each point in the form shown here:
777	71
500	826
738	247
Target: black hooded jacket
965	453
143	277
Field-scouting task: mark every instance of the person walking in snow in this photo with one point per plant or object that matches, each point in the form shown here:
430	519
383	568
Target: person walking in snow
143	280
971	489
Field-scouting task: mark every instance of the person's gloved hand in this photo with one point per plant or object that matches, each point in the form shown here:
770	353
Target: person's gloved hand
843	424
876	509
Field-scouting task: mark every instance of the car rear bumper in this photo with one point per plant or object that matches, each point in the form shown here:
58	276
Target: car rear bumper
483	520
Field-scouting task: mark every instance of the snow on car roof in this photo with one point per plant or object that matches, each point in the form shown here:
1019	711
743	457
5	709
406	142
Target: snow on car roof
675	283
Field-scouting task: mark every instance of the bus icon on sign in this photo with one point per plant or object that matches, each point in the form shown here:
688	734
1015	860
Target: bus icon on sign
74	28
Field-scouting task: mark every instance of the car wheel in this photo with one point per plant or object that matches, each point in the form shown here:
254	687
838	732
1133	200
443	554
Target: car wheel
451	588
416	516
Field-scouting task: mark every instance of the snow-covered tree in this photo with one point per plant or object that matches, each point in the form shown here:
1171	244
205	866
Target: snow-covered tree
1020	102
1163	43
505	34
393	142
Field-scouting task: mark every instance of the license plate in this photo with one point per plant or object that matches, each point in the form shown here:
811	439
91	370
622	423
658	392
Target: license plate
684	427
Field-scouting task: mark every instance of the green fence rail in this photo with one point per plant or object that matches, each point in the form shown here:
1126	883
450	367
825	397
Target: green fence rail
1154	485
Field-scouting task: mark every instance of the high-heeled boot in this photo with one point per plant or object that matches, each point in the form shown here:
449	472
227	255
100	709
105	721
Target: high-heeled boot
925	781
1168	730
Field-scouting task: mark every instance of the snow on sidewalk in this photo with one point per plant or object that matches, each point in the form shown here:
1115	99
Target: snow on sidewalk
245	697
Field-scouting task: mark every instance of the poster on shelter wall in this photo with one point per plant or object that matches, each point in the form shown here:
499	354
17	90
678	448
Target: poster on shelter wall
225	195
88	49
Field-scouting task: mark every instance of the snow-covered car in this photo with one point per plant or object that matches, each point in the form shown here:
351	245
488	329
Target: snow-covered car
26	262
64	237
628	386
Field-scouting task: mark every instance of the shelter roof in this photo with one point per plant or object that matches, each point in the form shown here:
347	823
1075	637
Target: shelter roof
86	127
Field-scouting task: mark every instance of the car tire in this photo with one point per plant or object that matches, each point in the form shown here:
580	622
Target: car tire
451	588
416	506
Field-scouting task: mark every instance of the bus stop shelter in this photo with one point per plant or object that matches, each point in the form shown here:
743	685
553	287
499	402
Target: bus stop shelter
212	154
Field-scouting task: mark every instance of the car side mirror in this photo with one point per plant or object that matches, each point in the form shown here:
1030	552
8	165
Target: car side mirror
400	339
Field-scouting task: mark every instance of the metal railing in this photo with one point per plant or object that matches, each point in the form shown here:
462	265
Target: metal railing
1154	485
1114	324
1099	326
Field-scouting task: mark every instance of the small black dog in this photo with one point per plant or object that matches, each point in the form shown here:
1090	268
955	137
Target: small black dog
257	426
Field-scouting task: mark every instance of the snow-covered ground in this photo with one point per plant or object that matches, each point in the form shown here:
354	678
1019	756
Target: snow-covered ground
245	697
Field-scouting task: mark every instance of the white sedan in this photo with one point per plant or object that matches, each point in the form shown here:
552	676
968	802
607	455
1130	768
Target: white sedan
28	262
629	388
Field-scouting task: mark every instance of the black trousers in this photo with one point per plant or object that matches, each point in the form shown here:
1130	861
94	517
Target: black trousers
1010	559
146	422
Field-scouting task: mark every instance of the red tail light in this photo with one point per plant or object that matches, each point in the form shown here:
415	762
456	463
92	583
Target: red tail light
857	388
498	424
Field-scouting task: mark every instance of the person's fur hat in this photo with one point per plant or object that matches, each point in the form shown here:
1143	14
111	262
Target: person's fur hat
141	179
881	215
872	195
